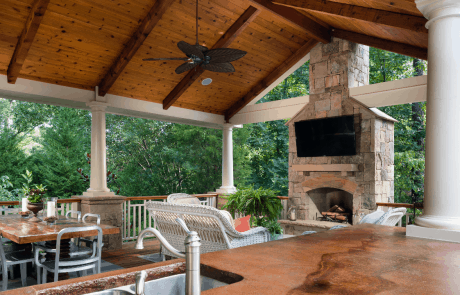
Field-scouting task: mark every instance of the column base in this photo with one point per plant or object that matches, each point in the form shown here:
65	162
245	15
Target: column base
226	190
110	208
447	235
440	222
90	193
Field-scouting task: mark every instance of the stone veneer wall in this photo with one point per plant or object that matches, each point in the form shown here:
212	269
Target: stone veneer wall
334	68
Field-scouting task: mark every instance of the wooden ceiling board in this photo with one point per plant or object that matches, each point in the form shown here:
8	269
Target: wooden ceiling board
57	82
400	6
375	30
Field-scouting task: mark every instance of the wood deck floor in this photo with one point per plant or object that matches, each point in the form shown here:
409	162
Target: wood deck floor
129	257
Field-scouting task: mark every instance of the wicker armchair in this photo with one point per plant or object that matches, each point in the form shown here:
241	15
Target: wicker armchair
182	199
212	226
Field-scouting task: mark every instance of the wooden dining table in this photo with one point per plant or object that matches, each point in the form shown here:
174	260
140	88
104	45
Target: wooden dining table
23	232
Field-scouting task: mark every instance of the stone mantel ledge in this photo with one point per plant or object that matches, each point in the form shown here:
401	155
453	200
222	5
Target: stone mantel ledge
312	223
328	168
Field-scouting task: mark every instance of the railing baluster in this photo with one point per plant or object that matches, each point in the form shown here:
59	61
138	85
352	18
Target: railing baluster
145	215
129	219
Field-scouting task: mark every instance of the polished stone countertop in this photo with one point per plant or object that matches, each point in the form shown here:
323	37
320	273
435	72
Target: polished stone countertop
363	259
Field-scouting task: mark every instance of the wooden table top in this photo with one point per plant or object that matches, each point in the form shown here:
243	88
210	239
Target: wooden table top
21	231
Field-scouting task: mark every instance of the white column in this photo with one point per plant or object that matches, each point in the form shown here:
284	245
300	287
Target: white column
98	181
442	161
227	160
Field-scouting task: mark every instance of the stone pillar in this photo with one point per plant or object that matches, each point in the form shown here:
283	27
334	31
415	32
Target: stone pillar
442	186
227	161
110	209
98	181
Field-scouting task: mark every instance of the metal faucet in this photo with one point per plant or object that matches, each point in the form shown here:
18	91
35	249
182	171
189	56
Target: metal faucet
191	255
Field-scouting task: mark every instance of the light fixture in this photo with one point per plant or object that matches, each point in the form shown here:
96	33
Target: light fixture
206	82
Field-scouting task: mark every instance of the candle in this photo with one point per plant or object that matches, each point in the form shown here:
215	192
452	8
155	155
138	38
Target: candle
24	205
51	209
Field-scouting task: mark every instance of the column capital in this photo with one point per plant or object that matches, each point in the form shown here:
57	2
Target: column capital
97	106
434	10
227	126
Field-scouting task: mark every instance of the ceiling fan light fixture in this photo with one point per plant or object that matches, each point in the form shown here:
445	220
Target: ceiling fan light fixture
206	82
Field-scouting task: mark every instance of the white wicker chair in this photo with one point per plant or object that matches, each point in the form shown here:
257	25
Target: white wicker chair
182	199
212	226
188	199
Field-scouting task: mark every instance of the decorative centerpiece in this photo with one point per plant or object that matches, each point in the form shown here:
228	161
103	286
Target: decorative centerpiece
24	213
36	201
51	211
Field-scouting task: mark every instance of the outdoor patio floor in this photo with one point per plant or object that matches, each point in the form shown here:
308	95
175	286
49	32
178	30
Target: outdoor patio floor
126	257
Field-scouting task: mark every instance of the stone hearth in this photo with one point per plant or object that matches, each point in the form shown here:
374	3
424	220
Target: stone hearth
355	182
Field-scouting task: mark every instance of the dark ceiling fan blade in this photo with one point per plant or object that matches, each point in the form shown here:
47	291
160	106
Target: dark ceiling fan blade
170	58
224	55
201	48
190	50
220	67
185	67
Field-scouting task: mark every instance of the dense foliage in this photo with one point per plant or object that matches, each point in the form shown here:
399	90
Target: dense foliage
156	158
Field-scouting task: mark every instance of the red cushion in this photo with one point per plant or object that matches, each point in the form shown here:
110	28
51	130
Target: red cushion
242	224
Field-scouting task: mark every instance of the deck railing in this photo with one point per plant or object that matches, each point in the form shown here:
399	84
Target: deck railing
409	215
14	207
136	216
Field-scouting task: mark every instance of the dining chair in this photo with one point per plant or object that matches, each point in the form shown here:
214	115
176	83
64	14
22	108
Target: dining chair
13	258
67	215
73	263
90	242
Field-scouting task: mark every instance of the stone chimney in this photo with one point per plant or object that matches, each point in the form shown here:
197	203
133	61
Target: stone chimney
355	182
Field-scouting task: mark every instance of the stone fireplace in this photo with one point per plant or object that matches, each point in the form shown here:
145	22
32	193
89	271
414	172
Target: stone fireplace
355	182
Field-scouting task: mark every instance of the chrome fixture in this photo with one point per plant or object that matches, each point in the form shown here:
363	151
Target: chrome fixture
140	282
191	255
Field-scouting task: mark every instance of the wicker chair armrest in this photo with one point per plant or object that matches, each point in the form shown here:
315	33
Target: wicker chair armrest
255	230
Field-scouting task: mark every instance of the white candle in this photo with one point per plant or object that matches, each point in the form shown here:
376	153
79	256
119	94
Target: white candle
51	210
24	205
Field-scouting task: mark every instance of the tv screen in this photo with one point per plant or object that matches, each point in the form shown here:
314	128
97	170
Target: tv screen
326	137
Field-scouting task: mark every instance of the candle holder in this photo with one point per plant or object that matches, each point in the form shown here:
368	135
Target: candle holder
24	214
51	211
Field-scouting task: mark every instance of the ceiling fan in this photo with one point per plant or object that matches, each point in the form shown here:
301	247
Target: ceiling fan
215	60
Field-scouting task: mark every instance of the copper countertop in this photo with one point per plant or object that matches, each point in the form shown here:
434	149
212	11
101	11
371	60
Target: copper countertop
363	259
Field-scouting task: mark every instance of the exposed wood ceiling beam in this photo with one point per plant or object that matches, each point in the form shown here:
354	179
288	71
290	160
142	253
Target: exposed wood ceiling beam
393	19
137	39
25	40
401	6
296	18
280	70
388	45
234	31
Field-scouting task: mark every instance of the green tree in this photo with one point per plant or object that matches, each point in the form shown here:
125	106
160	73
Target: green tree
65	141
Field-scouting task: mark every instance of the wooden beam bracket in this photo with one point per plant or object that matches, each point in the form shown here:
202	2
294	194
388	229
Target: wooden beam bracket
401	48
133	45
316	30
25	40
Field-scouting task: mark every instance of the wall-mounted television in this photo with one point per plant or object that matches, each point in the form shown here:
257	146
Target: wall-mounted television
326	137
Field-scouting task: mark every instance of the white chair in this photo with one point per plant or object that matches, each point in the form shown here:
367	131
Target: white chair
183	199
392	217
213	227
372	218
13	258
74	263
188	199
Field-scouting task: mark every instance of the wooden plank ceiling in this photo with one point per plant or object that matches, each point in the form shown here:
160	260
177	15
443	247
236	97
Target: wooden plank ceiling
85	43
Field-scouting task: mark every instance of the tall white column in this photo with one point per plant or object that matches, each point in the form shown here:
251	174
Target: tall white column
442	161
98	181
227	160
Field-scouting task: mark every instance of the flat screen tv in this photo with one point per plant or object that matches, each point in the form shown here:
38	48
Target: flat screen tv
326	137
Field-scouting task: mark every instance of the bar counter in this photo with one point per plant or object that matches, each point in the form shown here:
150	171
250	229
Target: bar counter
363	259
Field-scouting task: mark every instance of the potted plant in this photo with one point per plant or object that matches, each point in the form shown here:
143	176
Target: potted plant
35	198
263	205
